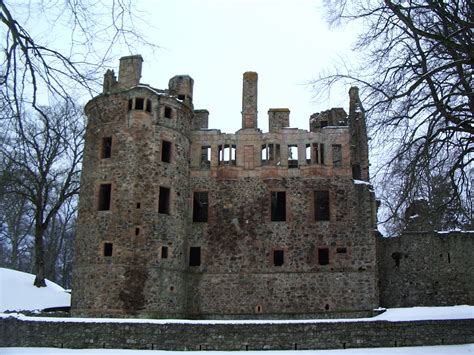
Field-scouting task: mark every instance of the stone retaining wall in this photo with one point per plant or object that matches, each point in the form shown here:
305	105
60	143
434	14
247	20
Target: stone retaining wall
195	336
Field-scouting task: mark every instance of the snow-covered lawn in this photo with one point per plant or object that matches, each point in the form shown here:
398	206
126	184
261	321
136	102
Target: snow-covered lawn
17	293
425	350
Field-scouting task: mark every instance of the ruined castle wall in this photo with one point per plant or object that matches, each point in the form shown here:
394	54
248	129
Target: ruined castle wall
426	269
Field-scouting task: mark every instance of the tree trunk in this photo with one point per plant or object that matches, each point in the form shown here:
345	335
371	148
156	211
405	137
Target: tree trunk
39	257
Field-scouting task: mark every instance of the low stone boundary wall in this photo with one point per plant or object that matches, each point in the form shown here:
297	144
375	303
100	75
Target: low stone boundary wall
267	336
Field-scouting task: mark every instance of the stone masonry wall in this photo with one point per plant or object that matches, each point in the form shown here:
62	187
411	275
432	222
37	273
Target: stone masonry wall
426	269
267	336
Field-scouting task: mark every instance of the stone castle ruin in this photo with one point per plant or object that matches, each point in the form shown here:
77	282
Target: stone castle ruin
177	220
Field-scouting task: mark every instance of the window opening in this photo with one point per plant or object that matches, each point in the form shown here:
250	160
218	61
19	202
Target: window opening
166	151
137	230
108	249
164	200
139	103
324	124
194	256
227	154
292	156
181	97
278	257
278	206
104	197
138	205
106	150
336	155
148	105
168	112
341	250
164	252
323	256
270	154
356	172
308	153
200	206
205	157
318	153
321	206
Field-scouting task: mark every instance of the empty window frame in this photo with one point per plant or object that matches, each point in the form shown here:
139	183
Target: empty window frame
356	172
168	112
205	157
194	256
200	206
164	200
336	155
321	205
292	156
323	256
278	206
341	250
318	153
139	103
308	153
164	252
271	154
227	154
166	151
104	197
108	249
278	257
106	148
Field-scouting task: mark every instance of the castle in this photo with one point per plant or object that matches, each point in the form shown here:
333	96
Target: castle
177	220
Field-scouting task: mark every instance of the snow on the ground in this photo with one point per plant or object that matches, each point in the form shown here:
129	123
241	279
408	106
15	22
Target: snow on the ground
425	350
17	293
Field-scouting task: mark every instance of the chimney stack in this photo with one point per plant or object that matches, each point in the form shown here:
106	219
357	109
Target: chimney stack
249	100
130	71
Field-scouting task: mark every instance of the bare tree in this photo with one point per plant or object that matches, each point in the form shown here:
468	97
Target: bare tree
415	75
53	48
44	156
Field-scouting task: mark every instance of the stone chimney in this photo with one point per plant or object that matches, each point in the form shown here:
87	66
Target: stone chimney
200	120
249	100
278	118
130	71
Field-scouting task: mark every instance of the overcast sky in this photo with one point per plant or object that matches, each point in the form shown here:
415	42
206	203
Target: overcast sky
215	41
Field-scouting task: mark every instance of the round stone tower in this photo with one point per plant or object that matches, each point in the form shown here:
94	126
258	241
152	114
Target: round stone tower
135	199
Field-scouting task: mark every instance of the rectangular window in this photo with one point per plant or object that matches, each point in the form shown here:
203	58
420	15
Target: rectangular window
278	257
336	155
166	151
321	205
139	103
194	256
318	153
292	156
164	200
227	154
200	206
323	256
168	112
108	249
205	157
271	154
164	252
148	105
356	172
106	149
104	197
308	153
278	206
341	250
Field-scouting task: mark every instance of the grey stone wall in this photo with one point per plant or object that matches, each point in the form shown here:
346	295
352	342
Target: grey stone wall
298	336
426	269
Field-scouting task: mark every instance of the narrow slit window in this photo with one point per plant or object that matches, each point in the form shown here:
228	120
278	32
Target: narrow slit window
200	206
164	200
194	256
139	103
166	151
356	172
106	149
278	257
137	231
336	155
292	156
104	197
108	249
321	205
323	256
148	105
205	157
278	206
168	112
164	252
